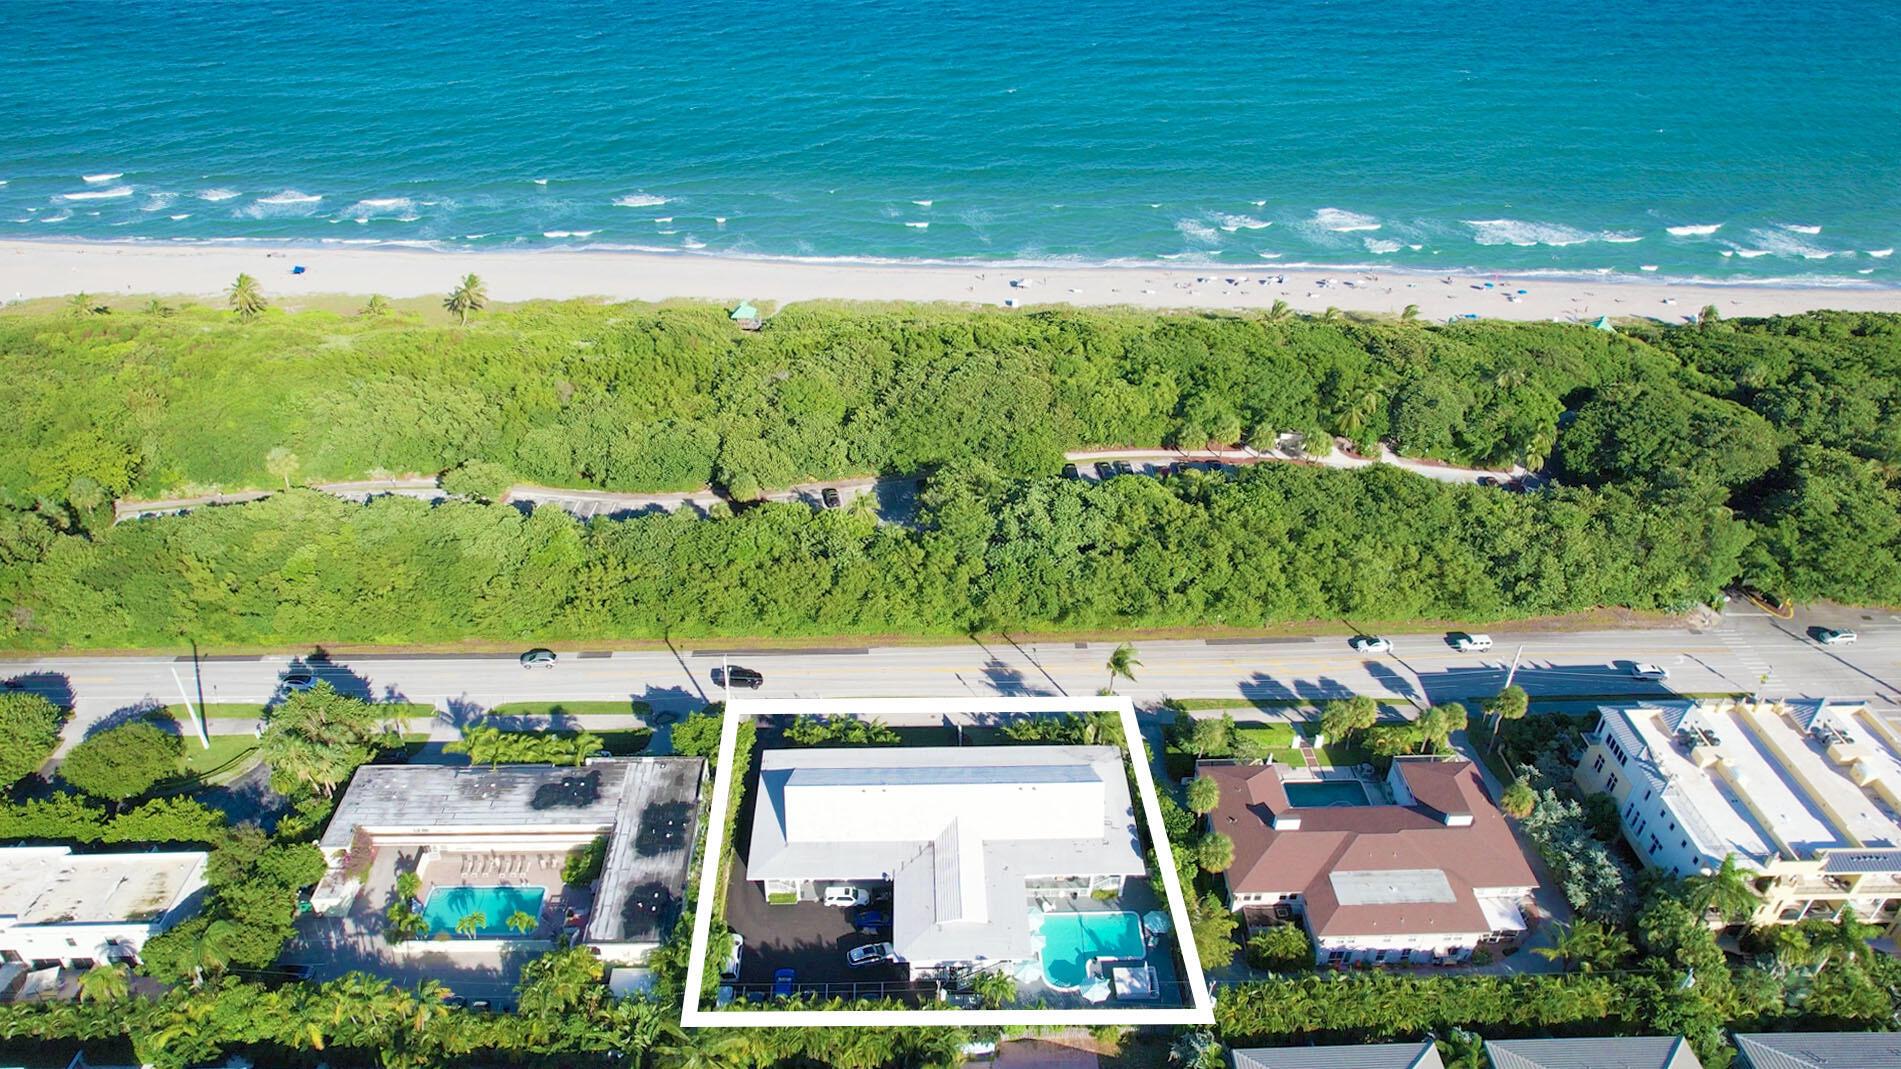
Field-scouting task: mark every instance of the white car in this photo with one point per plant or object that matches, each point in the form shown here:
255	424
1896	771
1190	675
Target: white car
730	969
870	954
1829	636
1370	644
844	896
1641	670
1471	643
297	681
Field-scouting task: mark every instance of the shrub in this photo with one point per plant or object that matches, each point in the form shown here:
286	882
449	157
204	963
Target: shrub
123	762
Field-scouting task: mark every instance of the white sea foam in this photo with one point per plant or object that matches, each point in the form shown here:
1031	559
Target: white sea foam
1258	203
1523	234
1232	223
291	196
1195	230
689	242
639	200
218	194
1696	231
719	220
364	210
159	202
1648	267
1270	255
1379	247
919	226
98	194
568	233
1344	222
182	215
541	181
663	219
1750	254
1881	254
57	217
1799	229
98	179
1781	241
923	203
1623	239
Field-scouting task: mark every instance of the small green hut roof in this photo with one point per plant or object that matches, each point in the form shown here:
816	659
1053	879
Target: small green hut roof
745	311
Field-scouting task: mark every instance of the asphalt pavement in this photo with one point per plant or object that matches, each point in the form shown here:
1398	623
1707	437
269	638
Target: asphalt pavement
1748	652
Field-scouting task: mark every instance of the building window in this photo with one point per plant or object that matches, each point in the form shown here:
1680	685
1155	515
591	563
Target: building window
1646	796
1617	751
1683	844
1611	784
1630	812
1655	845
1598	765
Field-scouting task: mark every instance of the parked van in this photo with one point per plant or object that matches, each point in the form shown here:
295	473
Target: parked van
1465	643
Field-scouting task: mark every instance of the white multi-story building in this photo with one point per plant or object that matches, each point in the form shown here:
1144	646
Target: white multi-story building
1805	794
967	837
79	910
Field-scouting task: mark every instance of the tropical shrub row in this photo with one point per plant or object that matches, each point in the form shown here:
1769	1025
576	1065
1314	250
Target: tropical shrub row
1275	542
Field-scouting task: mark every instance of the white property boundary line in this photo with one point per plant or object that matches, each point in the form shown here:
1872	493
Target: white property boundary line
1202	1012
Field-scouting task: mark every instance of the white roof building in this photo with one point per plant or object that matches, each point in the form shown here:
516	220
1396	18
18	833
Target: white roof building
962	833
56	905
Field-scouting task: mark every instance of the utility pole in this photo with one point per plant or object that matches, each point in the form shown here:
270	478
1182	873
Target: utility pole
1513	671
197	721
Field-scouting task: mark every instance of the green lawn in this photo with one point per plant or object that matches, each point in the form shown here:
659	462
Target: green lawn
228	755
1269	704
626	708
217	711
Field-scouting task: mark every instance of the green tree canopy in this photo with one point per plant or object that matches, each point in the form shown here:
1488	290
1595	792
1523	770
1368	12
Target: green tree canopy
29	731
319	737
1203	795
123	762
1343	718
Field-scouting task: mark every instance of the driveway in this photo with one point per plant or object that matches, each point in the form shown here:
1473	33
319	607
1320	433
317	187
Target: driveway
808	938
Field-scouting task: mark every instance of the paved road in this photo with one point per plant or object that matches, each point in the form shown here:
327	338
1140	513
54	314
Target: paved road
1731	657
895	498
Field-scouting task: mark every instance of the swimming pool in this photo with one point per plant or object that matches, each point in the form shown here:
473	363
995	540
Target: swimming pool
448	905
1071	939
1326	792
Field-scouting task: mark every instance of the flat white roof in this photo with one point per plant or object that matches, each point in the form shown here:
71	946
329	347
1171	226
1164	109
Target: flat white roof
1710	811
1858	813
52	885
957	829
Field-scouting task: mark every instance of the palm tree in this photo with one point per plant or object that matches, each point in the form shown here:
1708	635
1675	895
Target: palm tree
1409	314
995	989
431	1005
378	305
1845	941
79	304
522	921
1203	795
470	296
1586	946
1215	852
471	923
1122	663
408	885
103	983
1729	893
158	308
1708	315
246	299
1331	315
1279	312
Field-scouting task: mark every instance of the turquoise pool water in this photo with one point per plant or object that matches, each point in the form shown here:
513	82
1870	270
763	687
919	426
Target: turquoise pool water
1071	939
447	905
1325	793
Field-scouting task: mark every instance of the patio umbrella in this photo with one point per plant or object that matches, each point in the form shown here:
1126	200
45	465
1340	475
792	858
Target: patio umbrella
1156	921
1097	992
1028	970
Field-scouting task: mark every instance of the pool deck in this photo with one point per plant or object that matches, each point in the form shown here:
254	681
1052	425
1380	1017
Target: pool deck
1138	899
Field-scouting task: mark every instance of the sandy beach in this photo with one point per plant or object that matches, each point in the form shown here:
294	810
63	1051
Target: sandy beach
49	269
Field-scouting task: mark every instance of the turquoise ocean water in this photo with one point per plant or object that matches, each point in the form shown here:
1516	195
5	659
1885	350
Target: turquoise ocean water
1746	140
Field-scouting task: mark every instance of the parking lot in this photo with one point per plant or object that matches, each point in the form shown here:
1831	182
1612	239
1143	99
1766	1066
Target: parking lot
809	938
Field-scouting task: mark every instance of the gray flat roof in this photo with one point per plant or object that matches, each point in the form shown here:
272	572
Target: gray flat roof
1386	887
52	885
1819	1050
643	883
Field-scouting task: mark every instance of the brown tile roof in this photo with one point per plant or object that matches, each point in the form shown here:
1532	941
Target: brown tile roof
1370	838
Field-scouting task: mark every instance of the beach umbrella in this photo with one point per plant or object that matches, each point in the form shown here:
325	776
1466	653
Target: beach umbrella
1028	970
1097	992
1156	921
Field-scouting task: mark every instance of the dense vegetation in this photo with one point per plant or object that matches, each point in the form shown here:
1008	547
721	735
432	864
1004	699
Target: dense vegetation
1693	456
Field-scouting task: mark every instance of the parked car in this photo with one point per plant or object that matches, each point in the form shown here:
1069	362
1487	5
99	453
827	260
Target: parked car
1831	636
297	680
1487	480
1123	467
782	983
845	895
1370	644
1466	643
870	954
1069	471
738	677
1104	471
538	658
1644	670
871	920
730	969
830	497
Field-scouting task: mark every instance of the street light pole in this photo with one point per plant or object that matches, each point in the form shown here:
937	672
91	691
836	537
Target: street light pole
1513	671
197	721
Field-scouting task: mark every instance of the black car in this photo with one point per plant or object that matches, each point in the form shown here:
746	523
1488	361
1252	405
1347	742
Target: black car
830	497
739	677
1487	480
1104	471
1069	471
1124	468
